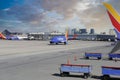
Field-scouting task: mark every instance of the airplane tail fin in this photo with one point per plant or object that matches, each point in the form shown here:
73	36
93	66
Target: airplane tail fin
75	36
115	19
66	34
2	36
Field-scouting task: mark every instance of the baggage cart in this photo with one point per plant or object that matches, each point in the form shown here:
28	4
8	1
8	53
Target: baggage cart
96	55
65	69
114	55
107	71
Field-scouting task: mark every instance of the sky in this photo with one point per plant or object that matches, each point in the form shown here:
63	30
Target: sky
55	15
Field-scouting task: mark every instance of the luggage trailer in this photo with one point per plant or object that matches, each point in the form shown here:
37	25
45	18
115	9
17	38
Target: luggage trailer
96	55
107	71
65	69
114	56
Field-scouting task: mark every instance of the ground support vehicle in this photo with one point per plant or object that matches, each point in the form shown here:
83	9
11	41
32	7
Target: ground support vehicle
96	55
65	69
58	39
114	55
107	71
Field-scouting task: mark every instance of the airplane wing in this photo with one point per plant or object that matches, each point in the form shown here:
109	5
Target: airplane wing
116	47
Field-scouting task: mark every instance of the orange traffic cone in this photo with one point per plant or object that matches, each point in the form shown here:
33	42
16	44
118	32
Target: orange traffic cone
75	58
68	61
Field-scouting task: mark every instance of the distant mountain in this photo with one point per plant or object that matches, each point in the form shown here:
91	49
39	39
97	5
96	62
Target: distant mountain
6	32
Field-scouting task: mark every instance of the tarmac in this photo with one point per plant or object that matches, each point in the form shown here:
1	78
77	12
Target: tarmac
38	60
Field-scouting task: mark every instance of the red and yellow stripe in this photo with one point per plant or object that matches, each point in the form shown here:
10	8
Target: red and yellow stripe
114	16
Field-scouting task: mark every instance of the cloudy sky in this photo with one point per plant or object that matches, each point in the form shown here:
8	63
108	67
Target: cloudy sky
51	15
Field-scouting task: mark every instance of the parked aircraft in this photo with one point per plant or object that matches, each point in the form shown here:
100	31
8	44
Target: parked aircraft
11	37
115	19
60	39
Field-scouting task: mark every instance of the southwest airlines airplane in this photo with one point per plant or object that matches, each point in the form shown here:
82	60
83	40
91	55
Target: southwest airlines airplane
115	19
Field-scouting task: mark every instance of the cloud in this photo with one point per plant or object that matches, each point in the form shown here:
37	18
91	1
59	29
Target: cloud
46	15
6	9
10	21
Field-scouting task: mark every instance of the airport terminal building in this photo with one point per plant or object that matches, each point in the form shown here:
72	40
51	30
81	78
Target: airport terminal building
91	37
75	36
